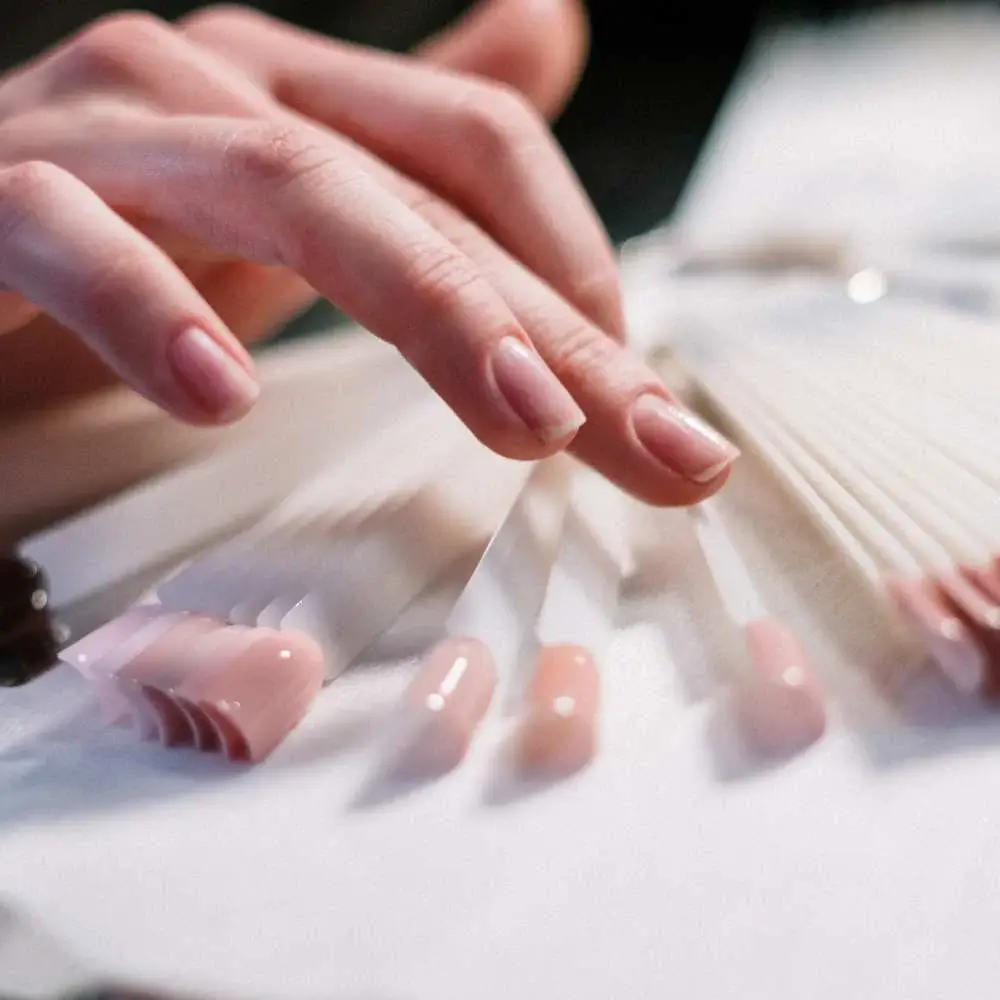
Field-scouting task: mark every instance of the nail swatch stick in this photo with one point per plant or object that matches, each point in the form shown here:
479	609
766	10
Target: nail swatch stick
455	682
905	514
776	698
558	725
161	520
892	574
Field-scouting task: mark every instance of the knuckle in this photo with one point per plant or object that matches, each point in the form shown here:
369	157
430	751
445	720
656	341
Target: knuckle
593	293
579	350
114	50
439	276
216	18
496	123
25	190
273	158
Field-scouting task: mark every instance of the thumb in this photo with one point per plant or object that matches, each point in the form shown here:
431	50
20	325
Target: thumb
538	47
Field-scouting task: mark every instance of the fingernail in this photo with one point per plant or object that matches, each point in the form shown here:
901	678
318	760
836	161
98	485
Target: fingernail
212	376
531	390
681	441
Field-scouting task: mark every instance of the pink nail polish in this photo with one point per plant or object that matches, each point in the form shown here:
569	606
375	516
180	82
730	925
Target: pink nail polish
534	393
263	693
212	376
444	705
777	702
680	440
158	670
559	732
945	635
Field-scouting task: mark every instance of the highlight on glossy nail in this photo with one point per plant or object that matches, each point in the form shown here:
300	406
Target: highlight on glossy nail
680	440
777	701
941	631
443	707
558	732
213	378
534	393
194	681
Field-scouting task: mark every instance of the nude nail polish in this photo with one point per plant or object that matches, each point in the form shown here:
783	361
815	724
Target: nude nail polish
213	378
944	634
155	671
558	734
263	692
680	440
534	393
443	706
777	701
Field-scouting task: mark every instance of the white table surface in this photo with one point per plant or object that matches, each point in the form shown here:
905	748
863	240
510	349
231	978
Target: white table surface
674	865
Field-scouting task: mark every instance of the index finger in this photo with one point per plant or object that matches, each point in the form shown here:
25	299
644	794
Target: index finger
293	196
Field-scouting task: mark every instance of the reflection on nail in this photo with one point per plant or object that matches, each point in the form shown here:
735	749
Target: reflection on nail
680	440
942	632
534	393
777	701
559	732
211	376
444	705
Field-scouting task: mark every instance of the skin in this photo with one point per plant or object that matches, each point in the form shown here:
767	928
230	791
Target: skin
222	172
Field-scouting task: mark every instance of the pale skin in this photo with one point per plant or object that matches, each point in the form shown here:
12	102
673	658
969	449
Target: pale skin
172	192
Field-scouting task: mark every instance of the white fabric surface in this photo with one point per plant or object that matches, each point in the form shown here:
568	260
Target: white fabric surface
862	869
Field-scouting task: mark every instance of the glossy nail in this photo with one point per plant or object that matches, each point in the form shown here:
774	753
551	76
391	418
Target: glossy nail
153	673
777	702
263	693
212	376
680	440
941	631
559	731
443	706
534	393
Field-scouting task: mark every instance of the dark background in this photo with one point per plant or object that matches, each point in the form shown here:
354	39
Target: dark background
657	74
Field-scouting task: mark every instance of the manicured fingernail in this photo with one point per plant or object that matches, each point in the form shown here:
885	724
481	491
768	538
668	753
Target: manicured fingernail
681	441
535	395
215	379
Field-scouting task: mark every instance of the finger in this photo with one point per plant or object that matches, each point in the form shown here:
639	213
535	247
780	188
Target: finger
636	433
63	249
15	311
254	301
482	147
318	213
538	48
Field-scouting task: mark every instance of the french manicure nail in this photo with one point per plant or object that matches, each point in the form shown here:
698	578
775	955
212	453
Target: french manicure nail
680	440
212	375
533	392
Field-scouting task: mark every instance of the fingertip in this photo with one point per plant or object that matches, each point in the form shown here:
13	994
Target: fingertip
538	47
216	382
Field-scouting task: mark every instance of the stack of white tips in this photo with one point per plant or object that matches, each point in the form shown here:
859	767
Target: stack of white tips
880	421
775	698
192	681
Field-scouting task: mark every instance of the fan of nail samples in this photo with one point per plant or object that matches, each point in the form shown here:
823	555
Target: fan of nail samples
880	419
228	652
193	681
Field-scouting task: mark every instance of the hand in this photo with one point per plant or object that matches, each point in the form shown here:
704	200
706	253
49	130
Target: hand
167	192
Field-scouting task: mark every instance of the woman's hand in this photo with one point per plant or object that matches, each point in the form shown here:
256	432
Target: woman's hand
168	192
